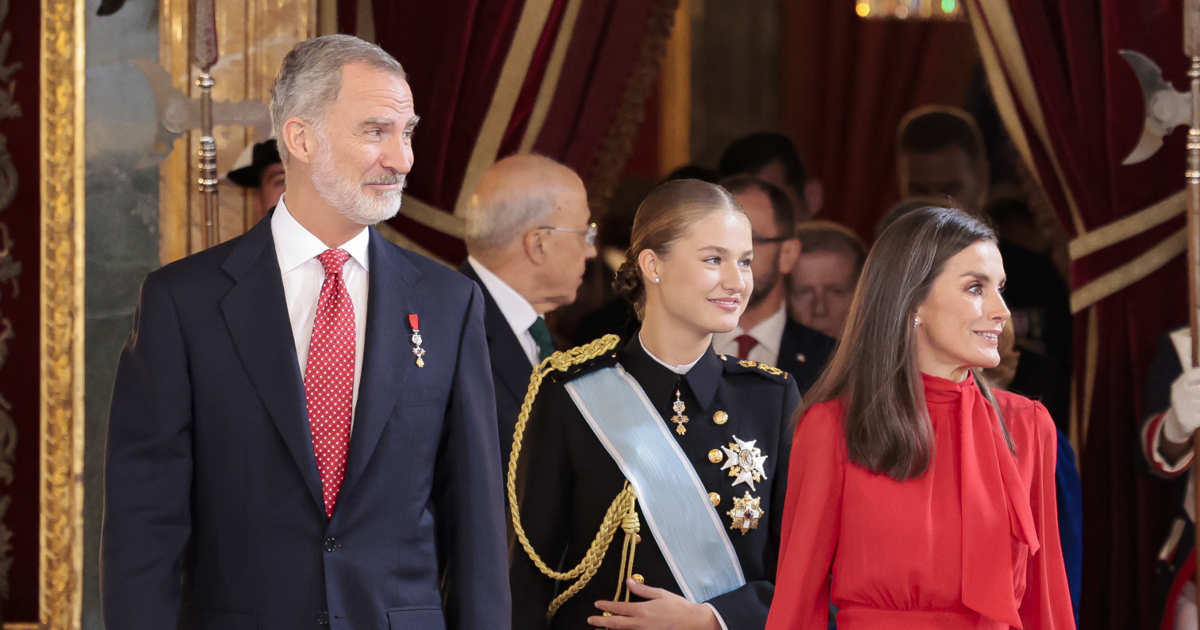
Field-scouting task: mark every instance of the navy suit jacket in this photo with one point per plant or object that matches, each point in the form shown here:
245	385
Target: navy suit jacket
510	366
803	352
213	513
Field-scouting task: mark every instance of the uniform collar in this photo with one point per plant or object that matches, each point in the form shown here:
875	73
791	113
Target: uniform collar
659	381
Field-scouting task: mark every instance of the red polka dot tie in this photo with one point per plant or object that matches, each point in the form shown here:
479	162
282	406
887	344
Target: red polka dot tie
329	377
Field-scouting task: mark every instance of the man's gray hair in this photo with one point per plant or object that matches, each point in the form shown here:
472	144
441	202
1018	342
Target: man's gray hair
310	78
495	224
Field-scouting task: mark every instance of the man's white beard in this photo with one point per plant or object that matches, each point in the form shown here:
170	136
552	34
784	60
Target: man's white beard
349	199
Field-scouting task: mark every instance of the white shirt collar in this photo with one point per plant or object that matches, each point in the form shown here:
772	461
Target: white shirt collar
516	309
295	245
768	332
678	369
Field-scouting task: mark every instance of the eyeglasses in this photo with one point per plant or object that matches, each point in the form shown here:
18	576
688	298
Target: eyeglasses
588	233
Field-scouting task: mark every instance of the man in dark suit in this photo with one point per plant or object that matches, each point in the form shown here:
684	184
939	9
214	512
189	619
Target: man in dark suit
765	333
528	238
285	450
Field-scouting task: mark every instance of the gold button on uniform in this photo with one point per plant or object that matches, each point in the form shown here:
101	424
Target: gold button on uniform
720	417
637	577
715	498
715	456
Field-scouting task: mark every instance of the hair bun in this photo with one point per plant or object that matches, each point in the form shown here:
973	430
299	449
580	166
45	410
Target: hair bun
628	282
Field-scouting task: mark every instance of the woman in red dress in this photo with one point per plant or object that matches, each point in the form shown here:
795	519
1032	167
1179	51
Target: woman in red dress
918	498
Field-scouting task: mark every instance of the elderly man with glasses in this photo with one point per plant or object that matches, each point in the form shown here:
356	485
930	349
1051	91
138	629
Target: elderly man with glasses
528	238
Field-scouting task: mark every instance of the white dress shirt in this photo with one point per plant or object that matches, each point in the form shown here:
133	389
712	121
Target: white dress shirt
768	333
517	311
297	249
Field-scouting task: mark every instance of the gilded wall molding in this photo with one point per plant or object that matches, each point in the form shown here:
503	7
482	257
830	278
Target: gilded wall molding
61	301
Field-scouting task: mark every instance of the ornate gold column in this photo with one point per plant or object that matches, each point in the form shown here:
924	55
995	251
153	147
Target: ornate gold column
254	36
675	95
62	208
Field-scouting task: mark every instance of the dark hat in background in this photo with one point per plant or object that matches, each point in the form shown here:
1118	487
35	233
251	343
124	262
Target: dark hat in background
247	171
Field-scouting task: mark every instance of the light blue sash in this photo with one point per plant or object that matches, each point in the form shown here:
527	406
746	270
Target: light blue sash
674	502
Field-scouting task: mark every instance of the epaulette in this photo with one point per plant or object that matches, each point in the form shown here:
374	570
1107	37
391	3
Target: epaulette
734	365
606	359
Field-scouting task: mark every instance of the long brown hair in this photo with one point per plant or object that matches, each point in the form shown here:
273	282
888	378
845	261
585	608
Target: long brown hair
874	369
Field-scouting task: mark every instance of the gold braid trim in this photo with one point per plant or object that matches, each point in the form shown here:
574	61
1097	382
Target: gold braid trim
621	506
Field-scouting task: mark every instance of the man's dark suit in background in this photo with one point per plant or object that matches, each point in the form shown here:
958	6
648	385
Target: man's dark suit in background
803	352
510	366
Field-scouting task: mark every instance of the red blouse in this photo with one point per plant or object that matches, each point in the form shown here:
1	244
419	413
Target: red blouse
971	543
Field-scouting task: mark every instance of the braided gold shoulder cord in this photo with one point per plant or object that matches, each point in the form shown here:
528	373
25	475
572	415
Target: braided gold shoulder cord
618	512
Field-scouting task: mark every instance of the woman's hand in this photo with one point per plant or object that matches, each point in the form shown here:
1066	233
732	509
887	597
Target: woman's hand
662	610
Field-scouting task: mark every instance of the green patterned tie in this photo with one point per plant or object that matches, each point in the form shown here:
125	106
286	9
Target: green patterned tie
541	335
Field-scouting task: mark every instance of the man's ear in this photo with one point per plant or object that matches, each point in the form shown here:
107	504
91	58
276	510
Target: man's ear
300	139
789	251
534	245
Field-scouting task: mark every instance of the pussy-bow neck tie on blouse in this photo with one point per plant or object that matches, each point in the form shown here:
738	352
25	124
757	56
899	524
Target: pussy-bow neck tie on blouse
995	503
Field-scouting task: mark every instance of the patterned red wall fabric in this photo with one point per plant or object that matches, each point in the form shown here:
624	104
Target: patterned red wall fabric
19	290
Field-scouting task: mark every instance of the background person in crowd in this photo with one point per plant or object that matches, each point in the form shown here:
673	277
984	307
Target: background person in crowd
821	283
302	430
918	497
1167	437
528	237
765	333
258	169
773	158
699	438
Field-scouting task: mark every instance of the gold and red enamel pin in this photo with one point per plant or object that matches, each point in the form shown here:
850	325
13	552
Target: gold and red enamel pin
414	322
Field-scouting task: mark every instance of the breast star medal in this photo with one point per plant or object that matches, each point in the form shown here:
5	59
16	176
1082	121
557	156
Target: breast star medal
744	461
745	513
679	419
415	323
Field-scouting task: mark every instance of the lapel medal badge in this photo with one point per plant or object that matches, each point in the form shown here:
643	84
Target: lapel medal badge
415	323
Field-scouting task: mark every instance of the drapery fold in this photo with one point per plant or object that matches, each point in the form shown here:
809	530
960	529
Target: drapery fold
564	78
1074	110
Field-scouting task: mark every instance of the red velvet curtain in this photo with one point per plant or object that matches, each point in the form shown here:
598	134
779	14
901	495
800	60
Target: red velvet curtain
454	51
1079	109
845	84
20	255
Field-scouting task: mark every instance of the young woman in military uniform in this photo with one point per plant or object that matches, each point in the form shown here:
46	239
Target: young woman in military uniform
650	474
